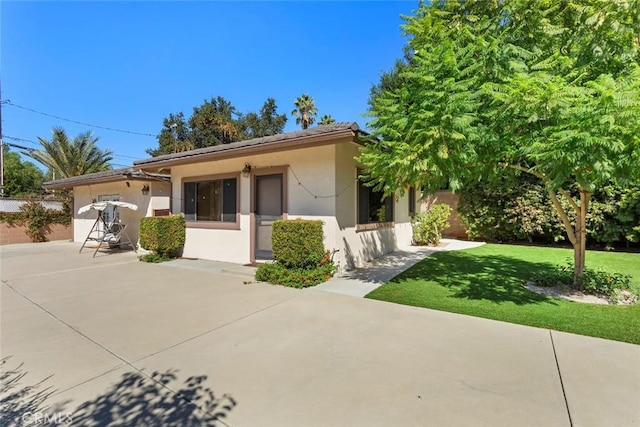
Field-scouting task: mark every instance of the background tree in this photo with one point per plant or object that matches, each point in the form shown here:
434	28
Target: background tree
305	111
216	122
327	119
266	122
66	158
174	136
20	178
548	88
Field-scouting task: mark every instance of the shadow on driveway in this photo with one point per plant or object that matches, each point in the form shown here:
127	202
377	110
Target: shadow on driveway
136	400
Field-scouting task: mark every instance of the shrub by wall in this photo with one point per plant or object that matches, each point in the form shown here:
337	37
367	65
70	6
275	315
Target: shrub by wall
297	243
300	257
164	235
428	225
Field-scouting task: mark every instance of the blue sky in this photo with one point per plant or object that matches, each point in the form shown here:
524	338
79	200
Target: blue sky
127	65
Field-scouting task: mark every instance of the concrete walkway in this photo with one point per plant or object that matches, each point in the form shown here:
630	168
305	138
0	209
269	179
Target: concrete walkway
361	281
112	341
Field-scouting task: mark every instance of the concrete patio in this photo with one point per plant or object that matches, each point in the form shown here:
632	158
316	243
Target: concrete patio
112	341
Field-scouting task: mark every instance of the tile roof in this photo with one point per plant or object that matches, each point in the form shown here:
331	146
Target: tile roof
335	128
106	176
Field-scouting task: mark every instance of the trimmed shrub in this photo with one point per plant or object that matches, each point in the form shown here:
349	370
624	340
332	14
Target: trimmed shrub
295	277
427	226
164	235
298	243
300	257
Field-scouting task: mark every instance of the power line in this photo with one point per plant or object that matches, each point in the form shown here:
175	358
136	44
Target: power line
13	138
8	102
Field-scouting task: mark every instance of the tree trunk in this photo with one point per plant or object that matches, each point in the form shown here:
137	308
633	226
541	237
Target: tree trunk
580	244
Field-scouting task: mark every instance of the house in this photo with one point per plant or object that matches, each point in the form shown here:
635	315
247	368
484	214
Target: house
150	192
231	194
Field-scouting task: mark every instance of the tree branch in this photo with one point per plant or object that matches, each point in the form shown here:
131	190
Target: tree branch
573	203
564	217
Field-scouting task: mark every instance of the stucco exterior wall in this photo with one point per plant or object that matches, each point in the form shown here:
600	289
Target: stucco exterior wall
359	246
309	173
320	184
157	198
456	228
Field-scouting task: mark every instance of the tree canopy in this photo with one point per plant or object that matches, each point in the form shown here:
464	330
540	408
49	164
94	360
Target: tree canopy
20	178
216	122
326	119
549	88
305	111
66	158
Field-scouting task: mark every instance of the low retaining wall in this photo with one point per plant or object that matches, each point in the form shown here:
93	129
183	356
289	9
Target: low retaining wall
16	233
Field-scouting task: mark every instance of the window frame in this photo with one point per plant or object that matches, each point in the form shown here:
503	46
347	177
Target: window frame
374	225
220	225
412	201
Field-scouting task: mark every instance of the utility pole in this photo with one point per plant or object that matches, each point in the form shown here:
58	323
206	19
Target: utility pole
1	147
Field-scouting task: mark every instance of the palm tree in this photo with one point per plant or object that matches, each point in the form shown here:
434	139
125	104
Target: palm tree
66	158
327	119
305	111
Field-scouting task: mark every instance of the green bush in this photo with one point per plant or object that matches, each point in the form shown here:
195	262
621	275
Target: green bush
276	273
164	235
298	243
517	207
300	257
153	258
595	282
427	226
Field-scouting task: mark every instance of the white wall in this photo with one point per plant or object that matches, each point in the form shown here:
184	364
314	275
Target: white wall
158	198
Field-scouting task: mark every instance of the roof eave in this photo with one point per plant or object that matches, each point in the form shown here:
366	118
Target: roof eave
302	142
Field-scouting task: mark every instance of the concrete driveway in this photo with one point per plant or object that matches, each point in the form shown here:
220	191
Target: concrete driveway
112	341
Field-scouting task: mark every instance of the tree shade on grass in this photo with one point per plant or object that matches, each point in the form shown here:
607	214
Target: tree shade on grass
488	282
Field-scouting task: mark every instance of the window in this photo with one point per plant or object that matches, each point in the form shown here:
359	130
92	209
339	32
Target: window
212	200
109	213
412	201
373	207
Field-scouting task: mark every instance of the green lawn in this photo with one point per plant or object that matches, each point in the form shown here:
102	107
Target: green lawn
488	282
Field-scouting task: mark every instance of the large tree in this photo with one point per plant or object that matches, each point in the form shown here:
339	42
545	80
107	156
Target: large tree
66	158
20	178
216	122
305	111
547	88
266	122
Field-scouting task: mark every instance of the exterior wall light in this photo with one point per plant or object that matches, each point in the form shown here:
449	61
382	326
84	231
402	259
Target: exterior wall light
247	170
145	189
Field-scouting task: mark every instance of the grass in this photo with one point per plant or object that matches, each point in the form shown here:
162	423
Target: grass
488	282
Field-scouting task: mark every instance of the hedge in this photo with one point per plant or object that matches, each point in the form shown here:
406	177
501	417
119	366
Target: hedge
298	243
165	235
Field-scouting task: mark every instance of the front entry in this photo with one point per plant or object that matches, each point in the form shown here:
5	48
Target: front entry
269	204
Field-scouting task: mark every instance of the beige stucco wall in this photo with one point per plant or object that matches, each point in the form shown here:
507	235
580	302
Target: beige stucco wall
309	174
358	247
321	184
158	198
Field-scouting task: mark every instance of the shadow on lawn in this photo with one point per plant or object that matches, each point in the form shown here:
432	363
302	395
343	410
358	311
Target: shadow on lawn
136	400
495	278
